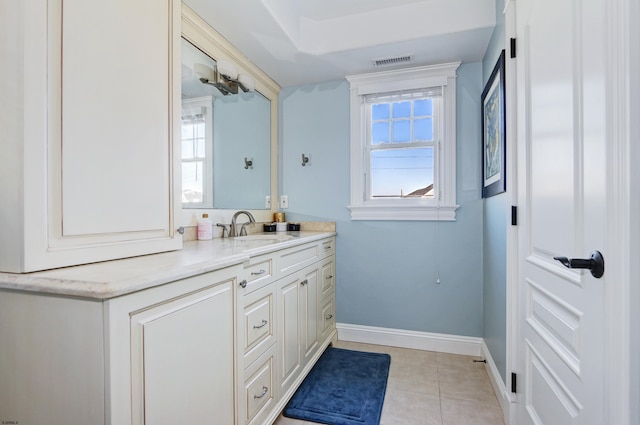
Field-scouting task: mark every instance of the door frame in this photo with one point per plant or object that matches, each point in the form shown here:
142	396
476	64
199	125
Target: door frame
622	316
623	184
512	249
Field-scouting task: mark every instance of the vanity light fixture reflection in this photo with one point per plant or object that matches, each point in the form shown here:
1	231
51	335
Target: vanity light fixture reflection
224	77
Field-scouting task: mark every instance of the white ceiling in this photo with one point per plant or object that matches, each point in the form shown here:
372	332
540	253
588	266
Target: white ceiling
308	41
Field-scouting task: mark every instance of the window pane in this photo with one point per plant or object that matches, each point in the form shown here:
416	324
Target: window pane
401	131
187	149
200	148
187	130
423	129
192	182
380	132
401	109
404	173
423	107
201	129
380	111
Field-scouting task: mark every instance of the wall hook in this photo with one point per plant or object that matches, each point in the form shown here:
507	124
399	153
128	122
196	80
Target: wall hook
248	163
305	160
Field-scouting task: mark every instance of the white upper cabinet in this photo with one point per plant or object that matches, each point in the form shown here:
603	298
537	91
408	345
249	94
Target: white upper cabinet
91	101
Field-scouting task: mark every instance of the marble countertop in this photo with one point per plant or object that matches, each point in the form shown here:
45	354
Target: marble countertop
111	279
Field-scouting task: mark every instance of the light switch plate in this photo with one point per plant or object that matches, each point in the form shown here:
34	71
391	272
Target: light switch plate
284	201
267	201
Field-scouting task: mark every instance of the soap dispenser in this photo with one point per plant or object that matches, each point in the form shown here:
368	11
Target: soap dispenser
205	228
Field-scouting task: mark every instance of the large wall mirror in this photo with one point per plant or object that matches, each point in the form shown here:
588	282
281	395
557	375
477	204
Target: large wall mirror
228	125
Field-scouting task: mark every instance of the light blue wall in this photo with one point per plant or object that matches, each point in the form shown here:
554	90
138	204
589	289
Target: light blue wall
494	227
386	270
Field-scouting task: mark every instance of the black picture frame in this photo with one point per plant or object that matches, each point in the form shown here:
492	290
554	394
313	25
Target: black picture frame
494	160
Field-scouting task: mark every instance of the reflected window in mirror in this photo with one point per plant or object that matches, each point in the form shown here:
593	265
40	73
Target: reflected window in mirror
225	123
197	146
197	130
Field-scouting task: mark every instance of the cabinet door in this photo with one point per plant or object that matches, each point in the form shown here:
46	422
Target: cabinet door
94	161
298	322
183	359
290	330
309	312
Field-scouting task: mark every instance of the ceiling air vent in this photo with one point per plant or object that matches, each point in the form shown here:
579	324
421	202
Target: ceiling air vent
398	60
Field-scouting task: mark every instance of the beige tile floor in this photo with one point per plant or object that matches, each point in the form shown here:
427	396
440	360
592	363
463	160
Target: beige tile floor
429	388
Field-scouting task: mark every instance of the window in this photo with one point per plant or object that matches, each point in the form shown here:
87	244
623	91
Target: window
197	170
403	144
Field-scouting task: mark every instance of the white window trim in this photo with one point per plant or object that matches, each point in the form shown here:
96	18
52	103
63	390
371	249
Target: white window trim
444	207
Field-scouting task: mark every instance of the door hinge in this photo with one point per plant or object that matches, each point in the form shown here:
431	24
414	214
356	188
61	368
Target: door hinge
514	381
514	215
512	48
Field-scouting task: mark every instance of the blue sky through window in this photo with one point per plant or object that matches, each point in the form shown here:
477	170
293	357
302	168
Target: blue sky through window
399	172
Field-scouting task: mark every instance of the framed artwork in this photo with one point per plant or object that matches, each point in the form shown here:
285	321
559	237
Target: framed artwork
494	162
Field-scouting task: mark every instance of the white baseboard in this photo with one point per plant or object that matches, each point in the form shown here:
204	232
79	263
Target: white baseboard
443	343
499	388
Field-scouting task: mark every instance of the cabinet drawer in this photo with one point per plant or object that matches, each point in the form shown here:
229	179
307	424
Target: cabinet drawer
259	388
298	257
327	320
328	247
327	279
258	272
258	323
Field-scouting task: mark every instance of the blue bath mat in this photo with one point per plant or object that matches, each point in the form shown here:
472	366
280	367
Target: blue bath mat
344	387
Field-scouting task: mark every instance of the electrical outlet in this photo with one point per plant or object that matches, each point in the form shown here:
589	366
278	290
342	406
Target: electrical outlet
267	201
284	201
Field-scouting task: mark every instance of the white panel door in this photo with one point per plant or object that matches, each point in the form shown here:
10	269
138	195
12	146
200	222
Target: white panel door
562	176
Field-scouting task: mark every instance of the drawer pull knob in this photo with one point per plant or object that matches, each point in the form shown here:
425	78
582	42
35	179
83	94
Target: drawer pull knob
264	323
243	283
304	282
265	390
329	317
327	247
329	277
258	273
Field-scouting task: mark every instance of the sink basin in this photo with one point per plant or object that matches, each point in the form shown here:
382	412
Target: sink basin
265	237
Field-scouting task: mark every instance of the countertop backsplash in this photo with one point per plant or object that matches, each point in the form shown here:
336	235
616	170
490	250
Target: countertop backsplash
191	232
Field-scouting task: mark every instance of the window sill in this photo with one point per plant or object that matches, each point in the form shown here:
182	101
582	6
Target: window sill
404	212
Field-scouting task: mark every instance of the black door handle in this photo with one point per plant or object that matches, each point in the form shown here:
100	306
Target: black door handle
595	263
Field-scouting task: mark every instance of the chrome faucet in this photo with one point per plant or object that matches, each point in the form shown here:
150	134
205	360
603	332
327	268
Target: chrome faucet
232	229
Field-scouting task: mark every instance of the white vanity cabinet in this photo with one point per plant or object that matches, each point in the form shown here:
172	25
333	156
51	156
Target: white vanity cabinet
298	320
178	364
163	355
207	334
327	297
91	93
282	304
302	297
